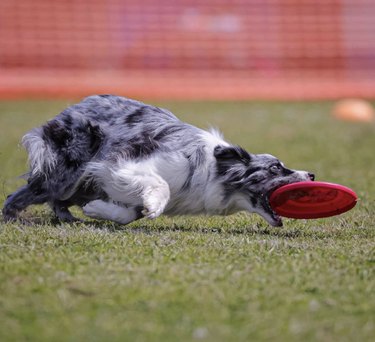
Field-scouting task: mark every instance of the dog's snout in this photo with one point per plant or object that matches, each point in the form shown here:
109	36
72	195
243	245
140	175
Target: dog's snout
311	176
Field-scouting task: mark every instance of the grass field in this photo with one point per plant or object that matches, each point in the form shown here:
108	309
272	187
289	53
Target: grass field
209	279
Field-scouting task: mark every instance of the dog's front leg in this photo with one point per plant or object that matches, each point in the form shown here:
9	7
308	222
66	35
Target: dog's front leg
155	197
138	185
112	211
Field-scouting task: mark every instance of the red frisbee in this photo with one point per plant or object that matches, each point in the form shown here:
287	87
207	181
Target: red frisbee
309	200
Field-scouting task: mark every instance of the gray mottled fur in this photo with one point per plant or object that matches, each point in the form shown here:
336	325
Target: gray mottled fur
121	160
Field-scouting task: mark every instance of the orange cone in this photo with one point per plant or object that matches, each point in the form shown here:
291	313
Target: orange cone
354	110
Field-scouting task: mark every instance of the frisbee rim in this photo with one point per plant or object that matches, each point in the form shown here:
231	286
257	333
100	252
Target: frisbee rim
312	215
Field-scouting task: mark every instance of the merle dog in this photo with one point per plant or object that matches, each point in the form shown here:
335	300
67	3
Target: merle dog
121	160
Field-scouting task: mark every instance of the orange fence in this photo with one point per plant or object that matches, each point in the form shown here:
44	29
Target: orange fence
218	49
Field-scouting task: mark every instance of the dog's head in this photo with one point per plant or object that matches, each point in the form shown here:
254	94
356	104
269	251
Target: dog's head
249	179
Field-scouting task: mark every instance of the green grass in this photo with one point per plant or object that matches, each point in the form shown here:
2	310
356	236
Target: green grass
209	279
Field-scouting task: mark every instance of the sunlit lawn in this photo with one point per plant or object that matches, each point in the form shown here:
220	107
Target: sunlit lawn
199	278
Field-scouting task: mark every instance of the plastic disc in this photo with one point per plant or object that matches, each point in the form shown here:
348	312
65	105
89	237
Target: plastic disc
309	200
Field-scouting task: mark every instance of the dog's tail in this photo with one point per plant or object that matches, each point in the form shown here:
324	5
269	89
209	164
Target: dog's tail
42	160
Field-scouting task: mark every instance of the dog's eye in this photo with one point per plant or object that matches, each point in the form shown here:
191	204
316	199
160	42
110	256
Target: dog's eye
275	168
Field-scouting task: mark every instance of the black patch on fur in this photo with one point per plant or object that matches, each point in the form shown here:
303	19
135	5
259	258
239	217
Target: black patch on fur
96	137
73	145
139	146
135	117
57	133
142	145
234	153
189	177
167	131
197	159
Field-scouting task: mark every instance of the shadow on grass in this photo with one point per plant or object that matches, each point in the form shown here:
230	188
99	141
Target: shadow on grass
257	229
200	226
153	229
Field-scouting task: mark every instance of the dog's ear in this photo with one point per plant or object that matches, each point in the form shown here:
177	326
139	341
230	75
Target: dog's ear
232	154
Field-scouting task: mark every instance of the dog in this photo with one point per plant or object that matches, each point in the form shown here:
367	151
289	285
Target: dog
121	160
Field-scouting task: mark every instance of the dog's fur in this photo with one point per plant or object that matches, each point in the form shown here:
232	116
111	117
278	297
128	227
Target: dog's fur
121	160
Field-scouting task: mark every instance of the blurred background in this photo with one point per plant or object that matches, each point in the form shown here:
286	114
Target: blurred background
269	74
188	49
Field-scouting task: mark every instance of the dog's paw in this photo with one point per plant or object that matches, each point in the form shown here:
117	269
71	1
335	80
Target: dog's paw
152	209
93	209
151	214
154	203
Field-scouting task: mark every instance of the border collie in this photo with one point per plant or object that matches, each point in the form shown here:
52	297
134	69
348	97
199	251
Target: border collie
122	160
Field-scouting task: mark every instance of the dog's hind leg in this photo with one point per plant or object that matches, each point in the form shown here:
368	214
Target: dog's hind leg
111	211
21	199
60	208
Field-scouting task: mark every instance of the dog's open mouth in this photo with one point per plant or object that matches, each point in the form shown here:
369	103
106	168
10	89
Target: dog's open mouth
274	219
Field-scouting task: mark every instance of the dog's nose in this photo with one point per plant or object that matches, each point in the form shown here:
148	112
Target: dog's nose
311	176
